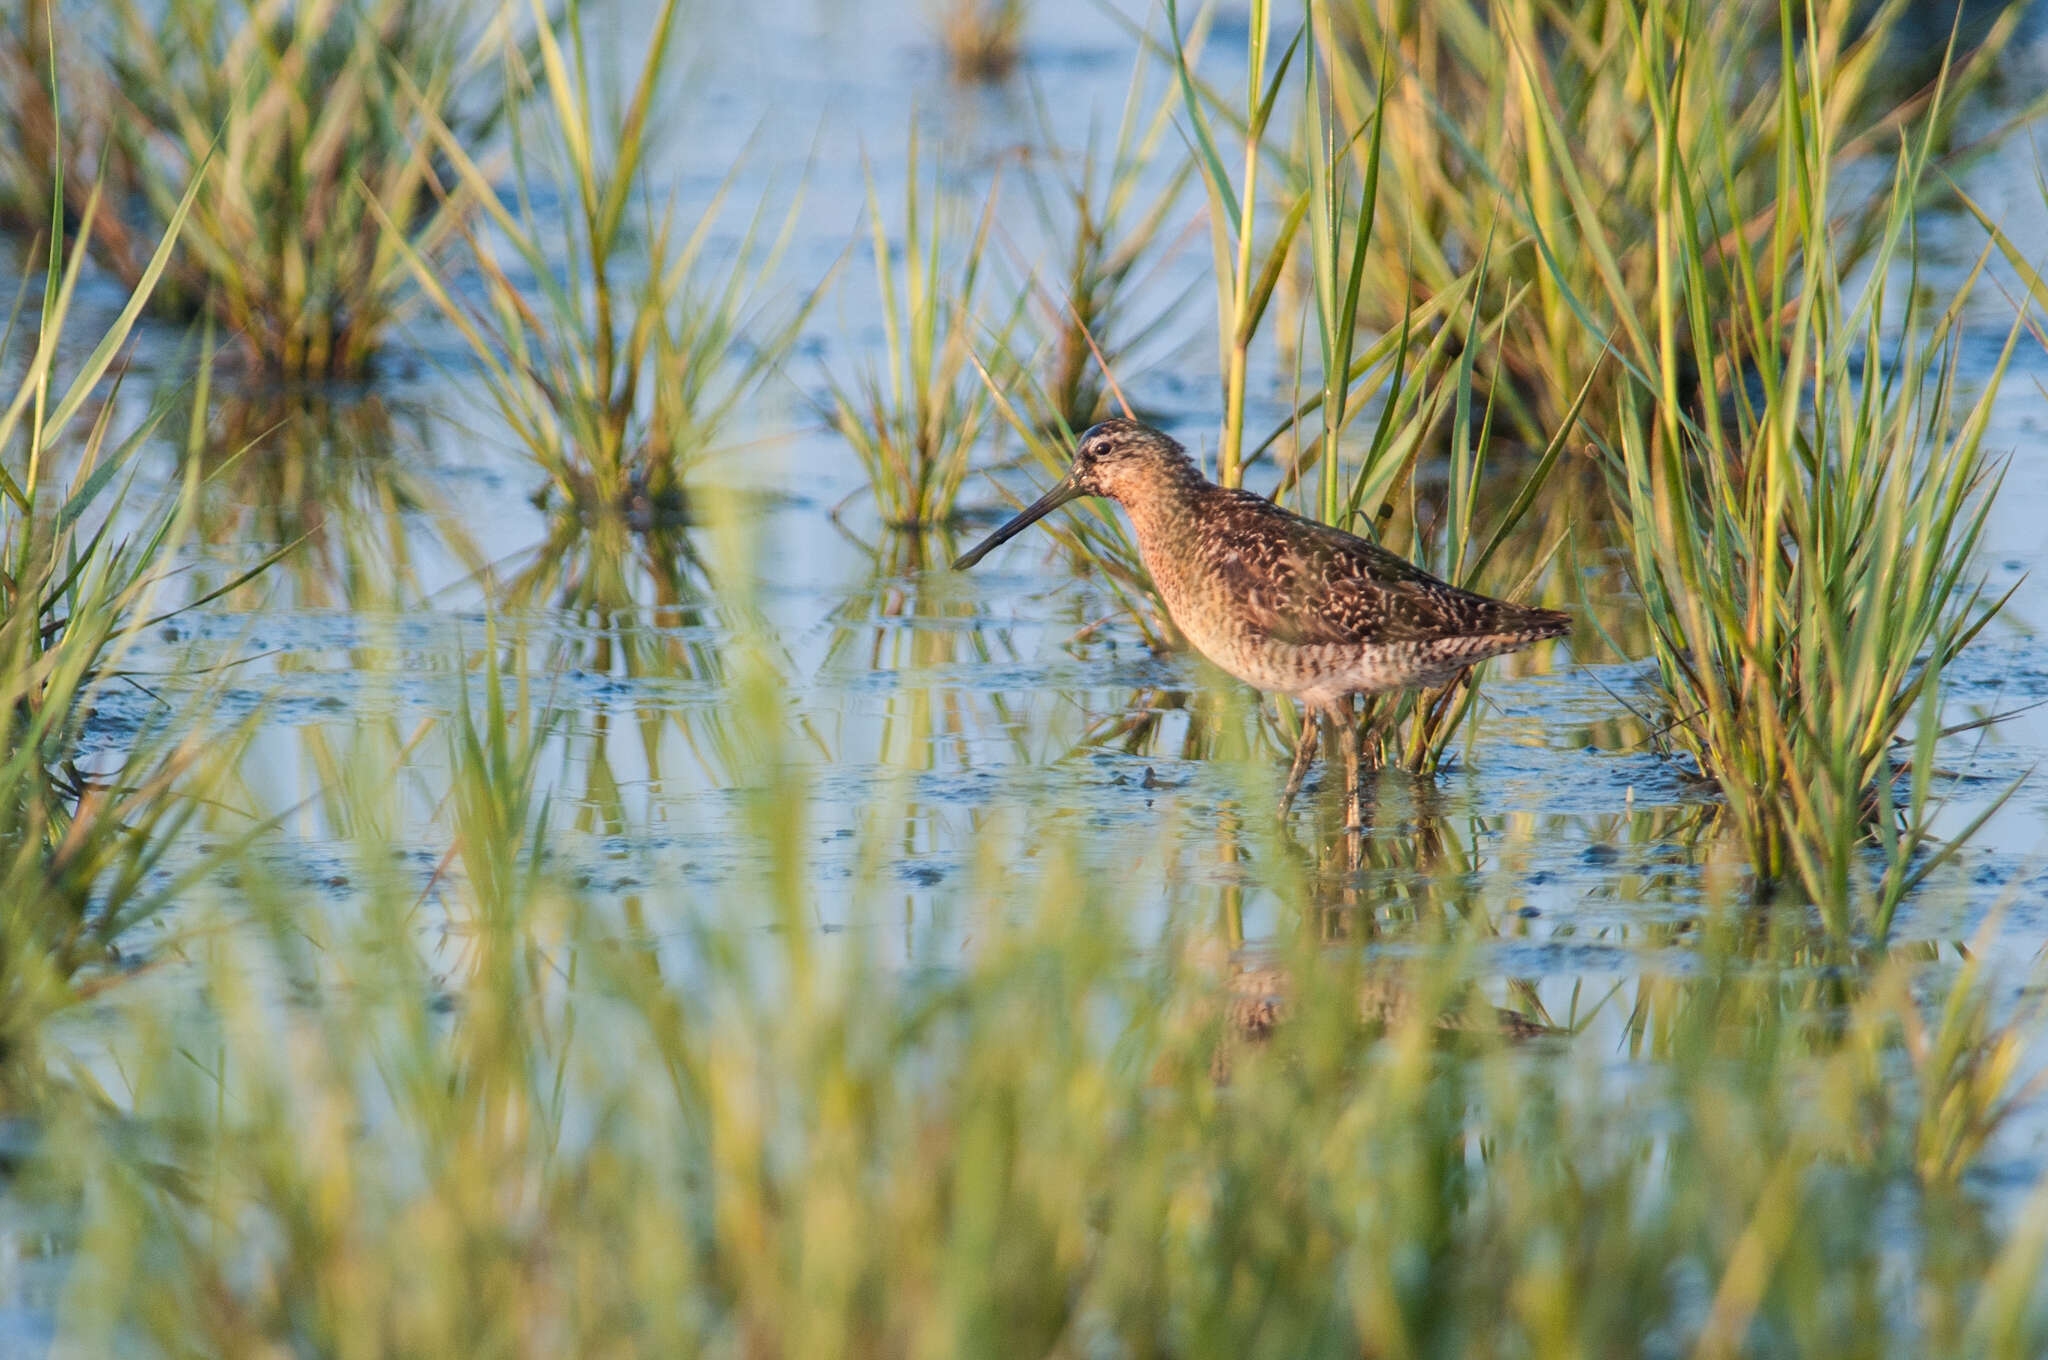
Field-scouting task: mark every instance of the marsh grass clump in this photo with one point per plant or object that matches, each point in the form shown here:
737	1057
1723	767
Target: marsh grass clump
87	845
1108	214
79	839
44	150
983	38
1803	532
617	335
916	421
306	126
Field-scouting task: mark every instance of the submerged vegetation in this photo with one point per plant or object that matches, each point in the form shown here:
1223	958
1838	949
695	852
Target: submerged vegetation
543	937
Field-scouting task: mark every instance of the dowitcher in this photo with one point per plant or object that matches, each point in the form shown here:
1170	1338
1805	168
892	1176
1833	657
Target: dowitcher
1283	603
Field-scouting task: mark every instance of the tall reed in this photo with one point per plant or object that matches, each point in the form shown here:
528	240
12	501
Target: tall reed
1247	269
1546	112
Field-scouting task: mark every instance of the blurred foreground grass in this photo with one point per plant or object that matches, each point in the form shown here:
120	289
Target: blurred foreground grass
482	1112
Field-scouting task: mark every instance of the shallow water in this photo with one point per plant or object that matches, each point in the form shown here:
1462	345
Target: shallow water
946	711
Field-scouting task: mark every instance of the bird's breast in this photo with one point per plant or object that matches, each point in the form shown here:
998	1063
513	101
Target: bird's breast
1192	578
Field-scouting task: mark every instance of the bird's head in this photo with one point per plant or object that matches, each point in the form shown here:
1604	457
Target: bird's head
1121	458
1115	458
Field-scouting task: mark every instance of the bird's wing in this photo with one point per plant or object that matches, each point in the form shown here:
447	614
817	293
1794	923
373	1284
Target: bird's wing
1306	583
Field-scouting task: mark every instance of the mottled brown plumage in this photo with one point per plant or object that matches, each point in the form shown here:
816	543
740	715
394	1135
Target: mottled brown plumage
1281	602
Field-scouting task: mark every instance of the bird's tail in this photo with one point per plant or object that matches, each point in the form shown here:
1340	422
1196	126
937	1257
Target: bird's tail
1536	624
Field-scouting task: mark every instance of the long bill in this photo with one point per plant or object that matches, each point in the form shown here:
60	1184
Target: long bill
1052	500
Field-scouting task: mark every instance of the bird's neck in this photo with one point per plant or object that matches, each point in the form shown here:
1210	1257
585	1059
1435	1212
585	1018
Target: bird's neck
1161	501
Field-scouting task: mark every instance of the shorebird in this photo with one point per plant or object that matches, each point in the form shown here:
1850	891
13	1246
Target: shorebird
1286	604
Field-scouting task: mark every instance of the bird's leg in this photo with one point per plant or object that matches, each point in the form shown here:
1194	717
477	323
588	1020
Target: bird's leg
1376	731
1304	752
1340	733
1347	725
1333	732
